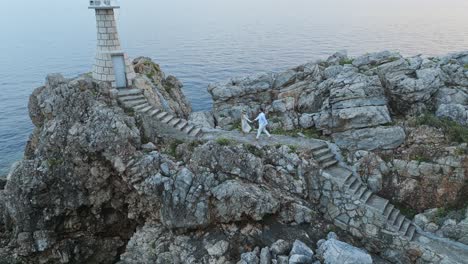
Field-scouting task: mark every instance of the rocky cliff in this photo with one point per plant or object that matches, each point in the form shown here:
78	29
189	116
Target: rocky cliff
400	120
121	176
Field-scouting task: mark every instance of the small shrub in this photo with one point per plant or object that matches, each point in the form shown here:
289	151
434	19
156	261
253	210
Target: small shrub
405	210
53	162
292	148
466	66
237	125
454	131
130	111
346	61
420	158
172	149
445	213
461	151
254	150
223	141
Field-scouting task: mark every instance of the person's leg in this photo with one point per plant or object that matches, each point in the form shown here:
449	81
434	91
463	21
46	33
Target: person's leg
259	131
266	132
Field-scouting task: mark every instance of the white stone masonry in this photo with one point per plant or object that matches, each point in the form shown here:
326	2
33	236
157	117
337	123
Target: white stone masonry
108	44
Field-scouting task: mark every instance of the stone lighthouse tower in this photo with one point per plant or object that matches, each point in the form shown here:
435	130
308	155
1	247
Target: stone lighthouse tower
111	63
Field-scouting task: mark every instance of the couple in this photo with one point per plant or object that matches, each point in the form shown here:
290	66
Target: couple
262	123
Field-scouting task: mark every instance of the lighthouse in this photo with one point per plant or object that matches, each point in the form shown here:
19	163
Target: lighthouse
111	63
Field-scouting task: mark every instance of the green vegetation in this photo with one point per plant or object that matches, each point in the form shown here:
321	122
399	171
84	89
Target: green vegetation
129	111
444	213
308	133
172	149
466	66
346	61
461	151
254	150
237	125
53	162
405	210
421	158
454	131
292	148
392	59
224	141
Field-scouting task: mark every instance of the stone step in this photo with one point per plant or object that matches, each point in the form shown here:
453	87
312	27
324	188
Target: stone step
182	125
362	189
161	115
135	103
410	232
393	216
167	119
146	109
319	147
388	211
142	106
404	227
326	157
321	152
349	179
378	203
399	221
129	92
195	132
366	196
354	186
130	98
155	112
174	122
188	129
329	163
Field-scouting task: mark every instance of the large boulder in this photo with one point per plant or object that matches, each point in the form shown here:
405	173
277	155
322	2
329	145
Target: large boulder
333	251
455	112
371	138
409	86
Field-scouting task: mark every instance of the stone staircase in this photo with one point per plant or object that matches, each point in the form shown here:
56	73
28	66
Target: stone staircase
353	185
135	100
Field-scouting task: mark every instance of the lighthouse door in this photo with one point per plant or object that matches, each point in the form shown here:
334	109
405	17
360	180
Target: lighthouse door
119	71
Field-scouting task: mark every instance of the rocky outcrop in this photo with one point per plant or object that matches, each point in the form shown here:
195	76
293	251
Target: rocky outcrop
101	182
163	92
355	100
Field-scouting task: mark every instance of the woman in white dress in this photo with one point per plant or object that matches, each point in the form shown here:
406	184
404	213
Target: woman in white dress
246	128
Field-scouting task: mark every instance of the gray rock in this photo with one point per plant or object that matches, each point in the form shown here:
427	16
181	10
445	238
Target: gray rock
249	258
306	121
299	248
236	201
371	138
283	259
455	112
375	59
203	119
265	256
280	247
337	252
218	249
149	146
299	259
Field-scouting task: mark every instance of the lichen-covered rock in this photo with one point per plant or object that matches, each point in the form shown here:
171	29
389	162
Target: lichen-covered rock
162	92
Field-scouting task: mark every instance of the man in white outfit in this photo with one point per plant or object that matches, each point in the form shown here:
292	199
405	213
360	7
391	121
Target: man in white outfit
262	123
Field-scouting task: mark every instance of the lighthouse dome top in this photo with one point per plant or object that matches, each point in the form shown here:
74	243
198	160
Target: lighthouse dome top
103	4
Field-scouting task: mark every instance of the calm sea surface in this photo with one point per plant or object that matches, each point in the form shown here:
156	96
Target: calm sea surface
206	41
